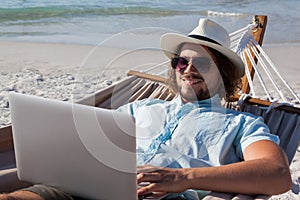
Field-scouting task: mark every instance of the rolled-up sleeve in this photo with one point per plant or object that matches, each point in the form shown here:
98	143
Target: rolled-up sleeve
252	129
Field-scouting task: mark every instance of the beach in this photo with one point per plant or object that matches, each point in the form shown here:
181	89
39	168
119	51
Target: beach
70	72
67	50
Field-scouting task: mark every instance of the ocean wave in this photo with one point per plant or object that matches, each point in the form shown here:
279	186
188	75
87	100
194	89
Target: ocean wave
28	33
37	13
228	14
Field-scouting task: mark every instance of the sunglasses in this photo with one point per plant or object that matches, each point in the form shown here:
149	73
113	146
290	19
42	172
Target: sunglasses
202	64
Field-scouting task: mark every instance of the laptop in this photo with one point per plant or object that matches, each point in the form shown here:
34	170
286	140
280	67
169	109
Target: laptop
86	151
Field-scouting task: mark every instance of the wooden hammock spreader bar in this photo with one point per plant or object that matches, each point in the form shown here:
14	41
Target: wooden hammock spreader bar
258	34
236	97
151	77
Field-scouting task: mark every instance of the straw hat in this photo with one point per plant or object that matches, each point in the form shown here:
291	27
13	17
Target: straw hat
207	33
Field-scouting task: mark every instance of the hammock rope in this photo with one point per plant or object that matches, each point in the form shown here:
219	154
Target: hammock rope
268	73
238	37
260	78
243	43
156	66
276	71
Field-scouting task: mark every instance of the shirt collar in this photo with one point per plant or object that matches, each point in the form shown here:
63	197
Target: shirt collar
214	101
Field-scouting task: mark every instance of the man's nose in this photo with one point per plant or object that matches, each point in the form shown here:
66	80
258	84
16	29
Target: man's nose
190	68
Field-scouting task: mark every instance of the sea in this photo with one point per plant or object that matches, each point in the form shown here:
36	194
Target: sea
95	21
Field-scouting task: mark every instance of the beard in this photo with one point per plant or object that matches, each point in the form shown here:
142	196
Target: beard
190	95
192	88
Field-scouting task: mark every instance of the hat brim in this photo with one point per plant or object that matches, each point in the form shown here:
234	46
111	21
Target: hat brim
169	43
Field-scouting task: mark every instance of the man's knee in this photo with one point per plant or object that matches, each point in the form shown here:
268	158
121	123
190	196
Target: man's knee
20	195
49	193
37	192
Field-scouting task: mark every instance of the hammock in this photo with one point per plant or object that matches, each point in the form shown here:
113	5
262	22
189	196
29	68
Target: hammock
282	119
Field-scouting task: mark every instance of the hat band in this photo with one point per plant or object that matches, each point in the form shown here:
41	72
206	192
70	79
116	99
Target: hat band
199	37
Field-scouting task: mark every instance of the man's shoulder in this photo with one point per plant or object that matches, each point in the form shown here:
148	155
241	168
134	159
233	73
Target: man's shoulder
237	113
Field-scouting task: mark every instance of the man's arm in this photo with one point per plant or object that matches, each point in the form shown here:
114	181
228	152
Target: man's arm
264	171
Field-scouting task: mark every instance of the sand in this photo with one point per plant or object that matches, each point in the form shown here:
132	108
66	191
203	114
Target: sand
69	72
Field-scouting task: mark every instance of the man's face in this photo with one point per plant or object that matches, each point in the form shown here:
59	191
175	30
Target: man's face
198	80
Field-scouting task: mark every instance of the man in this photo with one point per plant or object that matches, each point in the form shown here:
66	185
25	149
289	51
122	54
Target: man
191	145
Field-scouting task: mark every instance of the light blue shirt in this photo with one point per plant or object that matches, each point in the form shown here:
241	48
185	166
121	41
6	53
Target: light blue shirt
203	133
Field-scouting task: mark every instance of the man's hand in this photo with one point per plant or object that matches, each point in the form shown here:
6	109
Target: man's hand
162	180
